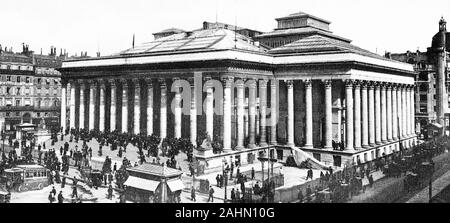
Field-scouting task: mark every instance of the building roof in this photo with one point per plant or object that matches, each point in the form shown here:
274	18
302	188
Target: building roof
170	30
302	14
301	31
156	170
322	44
210	39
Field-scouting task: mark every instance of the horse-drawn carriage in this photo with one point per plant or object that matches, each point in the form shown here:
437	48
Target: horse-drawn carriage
25	177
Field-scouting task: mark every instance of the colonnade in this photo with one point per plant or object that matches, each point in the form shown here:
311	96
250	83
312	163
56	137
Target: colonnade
375	112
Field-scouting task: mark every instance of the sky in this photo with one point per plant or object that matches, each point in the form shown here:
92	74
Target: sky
108	25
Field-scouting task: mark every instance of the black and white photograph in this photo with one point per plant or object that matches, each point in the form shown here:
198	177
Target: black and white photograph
224	102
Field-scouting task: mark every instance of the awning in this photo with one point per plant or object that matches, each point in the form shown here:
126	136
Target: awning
175	185
436	125
140	183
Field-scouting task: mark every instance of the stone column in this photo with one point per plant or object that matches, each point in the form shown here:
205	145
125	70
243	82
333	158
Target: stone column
395	119
408	115
252	113
177	110
383	114
365	116
81	119
209	110
389	113
328	114
72	104
137	106
349	114
290	107
412	114
113	108
193	113
371	114
91	113
404	109
309	116
228	83
163	109
101	125
124	105
63	107
148	81
240	114
377	115
273	112
399	111
357	115
262	109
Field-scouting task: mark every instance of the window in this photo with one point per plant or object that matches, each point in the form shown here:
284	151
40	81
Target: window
47	81
18	79
8	78
18	102
423	97
18	91
39	80
38	114
27	80
17	113
7	114
8	90
423	87
423	109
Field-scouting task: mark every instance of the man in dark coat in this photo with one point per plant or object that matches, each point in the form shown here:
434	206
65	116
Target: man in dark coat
60	197
253	173
233	196
211	194
193	194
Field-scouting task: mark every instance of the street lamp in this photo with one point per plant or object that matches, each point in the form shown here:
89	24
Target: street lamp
225	175
271	160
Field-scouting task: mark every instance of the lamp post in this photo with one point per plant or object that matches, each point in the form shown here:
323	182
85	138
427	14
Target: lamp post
225	175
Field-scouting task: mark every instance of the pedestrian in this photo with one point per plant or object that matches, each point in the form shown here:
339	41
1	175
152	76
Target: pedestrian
253	173
61	151
115	167
211	194
63	182
110	192
74	191
233	196
218	180
193	194
238	196
60	197
53	191
50	197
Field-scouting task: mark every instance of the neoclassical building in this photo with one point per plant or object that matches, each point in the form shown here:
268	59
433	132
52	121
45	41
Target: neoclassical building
296	89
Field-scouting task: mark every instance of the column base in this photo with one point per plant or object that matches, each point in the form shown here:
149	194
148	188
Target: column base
365	146
327	147
371	144
274	143
308	146
378	143
390	140
357	148
394	139
227	150
263	144
251	146
384	141
290	144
